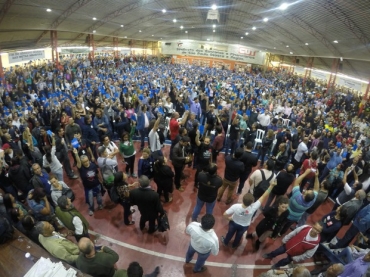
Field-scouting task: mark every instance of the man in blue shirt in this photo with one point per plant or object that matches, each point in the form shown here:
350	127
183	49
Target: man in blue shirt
357	268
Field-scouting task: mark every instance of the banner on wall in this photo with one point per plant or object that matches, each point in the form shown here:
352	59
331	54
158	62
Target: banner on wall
16	57
319	75
218	51
356	85
299	70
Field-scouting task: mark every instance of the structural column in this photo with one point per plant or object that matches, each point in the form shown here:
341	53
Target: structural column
115	47
1	71
54	46
307	72
333	74
364	99
91	47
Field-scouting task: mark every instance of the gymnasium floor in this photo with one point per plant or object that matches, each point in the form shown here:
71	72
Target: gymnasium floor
152	250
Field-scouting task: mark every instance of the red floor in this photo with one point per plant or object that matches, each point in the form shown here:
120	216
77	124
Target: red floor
152	250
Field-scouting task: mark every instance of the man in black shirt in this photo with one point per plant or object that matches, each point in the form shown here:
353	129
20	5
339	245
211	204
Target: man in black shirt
204	155
249	160
209	183
211	120
180	108
233	169
233	136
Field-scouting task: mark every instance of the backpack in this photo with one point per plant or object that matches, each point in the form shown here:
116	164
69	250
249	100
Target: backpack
114	196
262	186
108	173
6	230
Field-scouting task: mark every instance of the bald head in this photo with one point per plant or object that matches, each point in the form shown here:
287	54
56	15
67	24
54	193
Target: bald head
86	246
334	270
301	271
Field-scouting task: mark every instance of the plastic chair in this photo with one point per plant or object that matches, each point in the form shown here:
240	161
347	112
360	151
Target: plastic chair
286	122
259	137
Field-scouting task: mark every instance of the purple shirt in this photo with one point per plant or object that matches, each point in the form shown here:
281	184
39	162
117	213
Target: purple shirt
355	269
195	107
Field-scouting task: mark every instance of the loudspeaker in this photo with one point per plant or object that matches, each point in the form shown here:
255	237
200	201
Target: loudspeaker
167	43
296	61
340	66
87	39
130	42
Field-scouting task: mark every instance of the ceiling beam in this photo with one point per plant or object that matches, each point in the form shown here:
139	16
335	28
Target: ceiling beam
71	9
125	9
319	36
341	15
5	8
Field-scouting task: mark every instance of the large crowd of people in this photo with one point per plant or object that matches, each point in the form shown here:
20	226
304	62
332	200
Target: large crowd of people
79	119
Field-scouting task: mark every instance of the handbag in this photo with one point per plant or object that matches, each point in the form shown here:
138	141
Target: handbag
163	223
114	196
69	193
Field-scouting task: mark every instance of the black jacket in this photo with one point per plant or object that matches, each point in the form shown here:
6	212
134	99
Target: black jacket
20	175
249	160
281	161
163	176
178	159
148	202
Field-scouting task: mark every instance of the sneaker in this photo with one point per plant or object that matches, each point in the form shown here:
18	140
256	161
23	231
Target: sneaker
73	176
100	207
133	175
223	241
202	269
266	256
180	189
91	213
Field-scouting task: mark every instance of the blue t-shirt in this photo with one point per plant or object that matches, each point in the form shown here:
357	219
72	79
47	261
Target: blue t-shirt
297	205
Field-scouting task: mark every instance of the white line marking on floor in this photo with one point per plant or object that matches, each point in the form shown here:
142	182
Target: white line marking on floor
180	259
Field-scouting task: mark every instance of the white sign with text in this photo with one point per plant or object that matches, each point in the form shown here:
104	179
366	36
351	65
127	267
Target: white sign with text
356	85
228	52
16	57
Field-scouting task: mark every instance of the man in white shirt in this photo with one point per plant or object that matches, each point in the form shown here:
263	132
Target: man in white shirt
154	141
240	216
256	176
264	120
301	150
203	241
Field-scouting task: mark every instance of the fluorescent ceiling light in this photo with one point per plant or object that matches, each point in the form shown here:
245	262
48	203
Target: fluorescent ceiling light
283	6
335	41
246	33
122	25
306	43
254	28
214	7
174	21
265	19
94	18
48	10
164	10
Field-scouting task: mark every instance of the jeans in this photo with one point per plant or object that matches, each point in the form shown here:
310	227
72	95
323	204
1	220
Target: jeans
346	255
90	199
231	188
231	144
237	230
130	163
201	258
279	251
324	173
348	237
59	174
262	153
126	211
242	180
329	254
199	205
143	133
178	172
303	219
